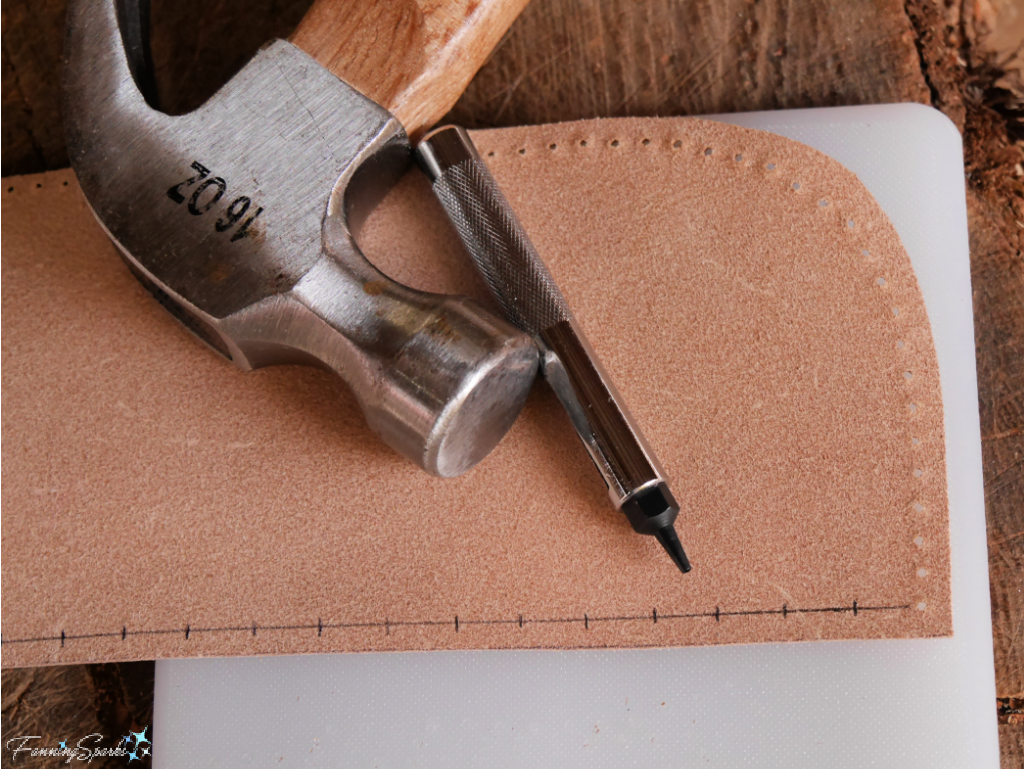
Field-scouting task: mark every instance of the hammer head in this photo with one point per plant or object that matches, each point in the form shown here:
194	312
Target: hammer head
239	218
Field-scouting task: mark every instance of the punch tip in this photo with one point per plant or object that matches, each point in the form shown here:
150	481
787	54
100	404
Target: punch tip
670	541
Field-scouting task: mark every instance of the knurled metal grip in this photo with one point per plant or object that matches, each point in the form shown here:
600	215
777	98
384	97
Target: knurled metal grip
529	297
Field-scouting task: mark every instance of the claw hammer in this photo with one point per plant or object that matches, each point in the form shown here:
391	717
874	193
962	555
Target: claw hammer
241	217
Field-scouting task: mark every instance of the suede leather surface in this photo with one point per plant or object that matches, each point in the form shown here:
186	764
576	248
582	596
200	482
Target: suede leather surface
751	301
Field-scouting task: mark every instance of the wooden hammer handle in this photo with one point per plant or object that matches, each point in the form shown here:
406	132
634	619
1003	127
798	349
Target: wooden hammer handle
413	57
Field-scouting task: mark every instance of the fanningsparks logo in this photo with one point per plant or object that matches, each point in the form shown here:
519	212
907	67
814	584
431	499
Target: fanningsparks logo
134	746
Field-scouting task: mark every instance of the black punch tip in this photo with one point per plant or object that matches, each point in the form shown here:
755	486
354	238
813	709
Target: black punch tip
670	541
653	511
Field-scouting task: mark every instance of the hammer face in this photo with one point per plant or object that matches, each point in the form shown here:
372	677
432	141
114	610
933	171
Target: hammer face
238	218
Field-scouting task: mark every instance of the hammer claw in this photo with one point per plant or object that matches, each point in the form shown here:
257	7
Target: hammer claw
239	218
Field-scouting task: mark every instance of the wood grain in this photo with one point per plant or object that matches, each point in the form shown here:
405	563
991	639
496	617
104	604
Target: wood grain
998	282
575	59
566	59
956	67
198	46
414	57
70	701
33	40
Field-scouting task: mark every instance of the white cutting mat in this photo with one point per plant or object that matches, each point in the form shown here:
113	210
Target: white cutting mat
926	703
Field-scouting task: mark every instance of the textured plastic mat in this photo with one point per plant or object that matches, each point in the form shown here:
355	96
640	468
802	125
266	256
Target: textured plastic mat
899	703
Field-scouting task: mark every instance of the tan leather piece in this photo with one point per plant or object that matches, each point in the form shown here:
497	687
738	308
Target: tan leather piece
159	503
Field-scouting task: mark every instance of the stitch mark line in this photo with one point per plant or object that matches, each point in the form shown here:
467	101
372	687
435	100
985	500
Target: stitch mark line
719	615
707	156
855	609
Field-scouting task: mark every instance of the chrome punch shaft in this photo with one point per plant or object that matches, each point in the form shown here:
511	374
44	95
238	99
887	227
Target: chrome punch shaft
530	299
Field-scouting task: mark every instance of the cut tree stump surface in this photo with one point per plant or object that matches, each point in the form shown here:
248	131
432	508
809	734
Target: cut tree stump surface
572	59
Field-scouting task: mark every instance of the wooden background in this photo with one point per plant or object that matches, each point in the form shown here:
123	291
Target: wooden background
568	59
